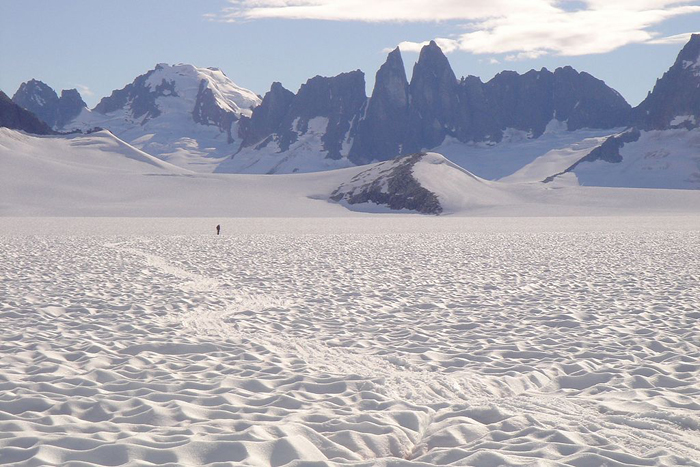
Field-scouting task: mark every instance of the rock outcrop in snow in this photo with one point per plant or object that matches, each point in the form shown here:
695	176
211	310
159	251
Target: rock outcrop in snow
389	184
424	182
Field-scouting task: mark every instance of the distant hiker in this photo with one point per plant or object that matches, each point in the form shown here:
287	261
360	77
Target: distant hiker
218	229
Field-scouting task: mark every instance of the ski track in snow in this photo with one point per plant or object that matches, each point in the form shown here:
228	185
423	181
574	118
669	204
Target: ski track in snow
546	348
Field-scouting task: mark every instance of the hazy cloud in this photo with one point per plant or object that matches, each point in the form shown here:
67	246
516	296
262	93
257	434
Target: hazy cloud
521	29
677	39
84	90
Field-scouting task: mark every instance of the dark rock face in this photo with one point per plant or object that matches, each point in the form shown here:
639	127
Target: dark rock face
207	112
16	117
391	184
70	104
438	105
584	101
524	102
384	128
434	100
339	99
403	118
42	101
39	99
137	97
677	93
267	117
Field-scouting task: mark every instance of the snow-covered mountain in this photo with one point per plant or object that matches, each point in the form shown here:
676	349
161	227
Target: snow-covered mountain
180	113
563	126
304	132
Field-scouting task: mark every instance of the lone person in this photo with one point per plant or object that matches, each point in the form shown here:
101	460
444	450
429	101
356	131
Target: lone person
218	229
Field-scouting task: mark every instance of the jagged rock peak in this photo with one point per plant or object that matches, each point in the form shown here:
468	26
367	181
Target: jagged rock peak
42	100
434	100
382	132
675	100
38	98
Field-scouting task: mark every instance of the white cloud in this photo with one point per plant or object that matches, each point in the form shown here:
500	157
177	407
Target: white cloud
381	10
523	29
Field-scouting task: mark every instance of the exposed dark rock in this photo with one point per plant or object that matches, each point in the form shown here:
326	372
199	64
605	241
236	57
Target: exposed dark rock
70	104
391	184
207	111
339	99
40	99
434	100
383	131
584	101
675	94
16	117
477	118
403	118
137	97
523	102
267	117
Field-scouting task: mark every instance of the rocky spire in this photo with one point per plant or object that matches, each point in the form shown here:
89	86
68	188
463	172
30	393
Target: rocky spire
383	130
434	100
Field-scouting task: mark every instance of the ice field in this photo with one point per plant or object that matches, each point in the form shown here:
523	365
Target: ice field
386	340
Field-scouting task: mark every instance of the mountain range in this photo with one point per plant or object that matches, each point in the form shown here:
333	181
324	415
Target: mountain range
199	119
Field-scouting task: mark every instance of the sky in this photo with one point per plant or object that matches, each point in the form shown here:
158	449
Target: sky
97	46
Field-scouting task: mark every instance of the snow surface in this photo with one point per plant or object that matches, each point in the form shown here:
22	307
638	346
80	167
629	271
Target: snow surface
395	341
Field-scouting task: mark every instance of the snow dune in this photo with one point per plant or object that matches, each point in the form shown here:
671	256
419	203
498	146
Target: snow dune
394	341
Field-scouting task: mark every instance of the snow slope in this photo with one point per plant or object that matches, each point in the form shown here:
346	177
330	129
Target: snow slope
99	175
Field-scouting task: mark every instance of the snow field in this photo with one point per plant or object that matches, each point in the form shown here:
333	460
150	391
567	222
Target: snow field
539	342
